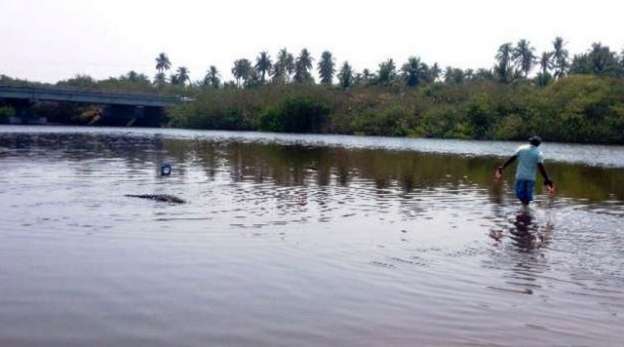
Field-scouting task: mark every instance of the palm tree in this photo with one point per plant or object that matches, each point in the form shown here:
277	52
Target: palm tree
160	79
503	67
387	72
326	68
303	64
282	67
368	77
212	77
290	65
263	65
603	60
345	76
162	63
253	80
560	58
182	75
448	74
358	79
414	71
174	79
468	74
241	70
483	75
454	75
546	64
131	76
434	73
524	57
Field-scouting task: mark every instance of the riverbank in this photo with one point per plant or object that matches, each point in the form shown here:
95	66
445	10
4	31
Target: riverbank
574	109
579	109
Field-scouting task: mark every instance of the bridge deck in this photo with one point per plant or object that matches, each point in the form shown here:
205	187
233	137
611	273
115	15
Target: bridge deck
86	96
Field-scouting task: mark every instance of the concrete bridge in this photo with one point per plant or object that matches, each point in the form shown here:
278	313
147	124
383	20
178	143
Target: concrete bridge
85	96
123	108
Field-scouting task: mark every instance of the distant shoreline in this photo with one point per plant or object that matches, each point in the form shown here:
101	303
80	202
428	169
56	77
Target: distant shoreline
573	99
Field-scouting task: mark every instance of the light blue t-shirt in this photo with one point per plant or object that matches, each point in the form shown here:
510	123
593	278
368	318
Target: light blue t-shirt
528	158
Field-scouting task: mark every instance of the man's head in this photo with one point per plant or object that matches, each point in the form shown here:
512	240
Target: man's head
535	140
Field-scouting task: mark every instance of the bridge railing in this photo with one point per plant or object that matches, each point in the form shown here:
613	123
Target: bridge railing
34	91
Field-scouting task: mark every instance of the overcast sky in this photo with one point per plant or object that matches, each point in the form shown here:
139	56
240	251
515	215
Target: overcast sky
48	40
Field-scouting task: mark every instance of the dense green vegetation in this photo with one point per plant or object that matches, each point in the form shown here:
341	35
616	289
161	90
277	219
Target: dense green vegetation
578	108
562	98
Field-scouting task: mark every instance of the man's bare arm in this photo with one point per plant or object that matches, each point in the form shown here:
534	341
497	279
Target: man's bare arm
547	180
507	163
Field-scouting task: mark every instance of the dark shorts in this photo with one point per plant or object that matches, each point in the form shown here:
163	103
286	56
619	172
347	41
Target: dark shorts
524	190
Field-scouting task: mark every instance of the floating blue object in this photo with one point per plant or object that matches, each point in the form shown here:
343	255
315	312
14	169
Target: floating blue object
165	170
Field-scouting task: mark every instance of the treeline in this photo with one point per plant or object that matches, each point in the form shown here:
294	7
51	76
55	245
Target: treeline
563	97
513	63
571	99
578	108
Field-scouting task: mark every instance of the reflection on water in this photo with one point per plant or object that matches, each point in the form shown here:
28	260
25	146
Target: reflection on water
525	232
298	243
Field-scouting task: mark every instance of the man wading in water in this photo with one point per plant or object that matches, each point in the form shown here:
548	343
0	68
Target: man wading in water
529	159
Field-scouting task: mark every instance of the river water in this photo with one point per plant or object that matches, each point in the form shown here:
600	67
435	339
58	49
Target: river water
302	240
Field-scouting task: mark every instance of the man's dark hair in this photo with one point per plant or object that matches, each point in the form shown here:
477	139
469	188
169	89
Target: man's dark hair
535	140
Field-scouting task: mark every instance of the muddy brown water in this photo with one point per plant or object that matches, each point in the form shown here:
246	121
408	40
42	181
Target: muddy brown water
302	240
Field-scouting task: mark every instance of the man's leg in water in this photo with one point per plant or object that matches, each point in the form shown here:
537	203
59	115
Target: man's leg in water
524	191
